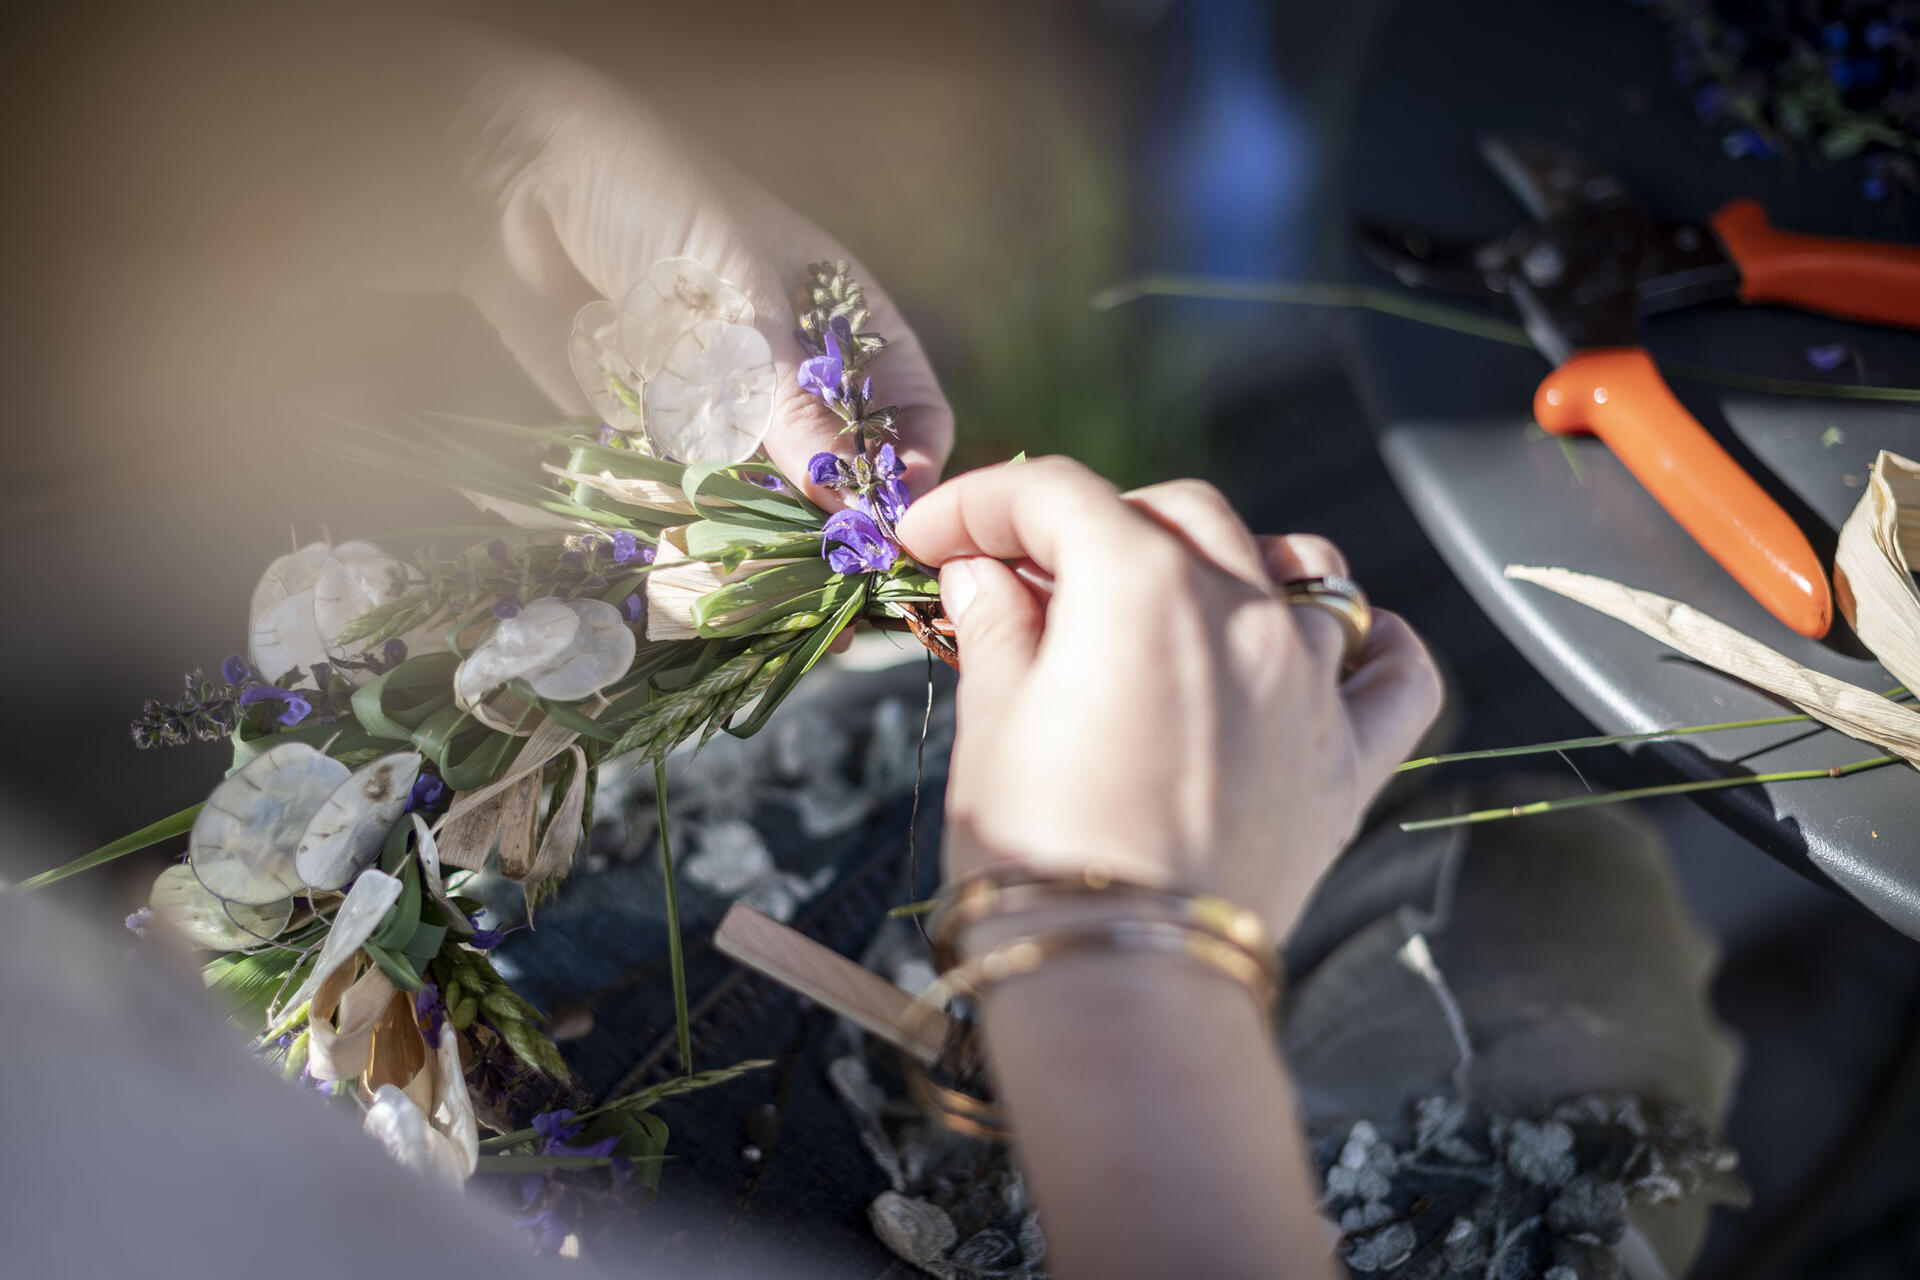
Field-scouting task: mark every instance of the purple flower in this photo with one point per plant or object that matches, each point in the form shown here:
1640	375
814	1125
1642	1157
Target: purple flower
428	792
428	1008
822	374
864	548
297	707
394	652
771	482
1880	34
891	495
139	921
1829	356
497	550
607	434
557	1131
547	1232
633	608
506	609
1834	35
827	469
625	547
235	669
1747	141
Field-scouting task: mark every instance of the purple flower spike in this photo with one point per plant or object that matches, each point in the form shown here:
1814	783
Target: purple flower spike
1829	356
428	792
634	607
506	609
625	546
235	670
826	469
864	548
821	375
890	496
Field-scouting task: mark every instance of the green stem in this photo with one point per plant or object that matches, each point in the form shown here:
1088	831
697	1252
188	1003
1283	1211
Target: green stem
152	834
1577	744
1642	793
676	955
1366	297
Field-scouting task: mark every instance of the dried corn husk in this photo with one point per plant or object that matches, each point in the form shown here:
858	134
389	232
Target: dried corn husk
340	1025
678	582
636	491
442	1140
1873	569
1846	707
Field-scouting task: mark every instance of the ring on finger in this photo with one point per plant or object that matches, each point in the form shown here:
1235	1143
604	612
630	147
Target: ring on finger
1341	597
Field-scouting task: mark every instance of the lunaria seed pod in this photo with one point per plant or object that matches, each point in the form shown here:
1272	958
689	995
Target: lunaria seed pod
345	834
183	902
242	844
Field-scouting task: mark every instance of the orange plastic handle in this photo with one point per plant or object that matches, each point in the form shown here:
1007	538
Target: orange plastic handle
1618	395
1855	279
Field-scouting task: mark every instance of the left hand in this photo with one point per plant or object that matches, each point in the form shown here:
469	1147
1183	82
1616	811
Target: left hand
588	190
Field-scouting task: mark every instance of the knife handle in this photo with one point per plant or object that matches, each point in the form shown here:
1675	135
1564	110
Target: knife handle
1617	394
1855	279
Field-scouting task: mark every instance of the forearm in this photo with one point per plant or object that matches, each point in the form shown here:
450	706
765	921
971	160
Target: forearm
1155	1121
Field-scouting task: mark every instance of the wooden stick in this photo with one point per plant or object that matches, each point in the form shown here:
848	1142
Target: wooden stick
828	978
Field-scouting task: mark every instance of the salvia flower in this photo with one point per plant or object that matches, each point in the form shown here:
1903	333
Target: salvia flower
830	470
890	494
506	609
625	547
296	707
770	482
1828	356
634	608
139	921
822	375
429	1008
863	547
429	793
235	669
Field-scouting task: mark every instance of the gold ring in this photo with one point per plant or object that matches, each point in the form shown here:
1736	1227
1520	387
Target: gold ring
1341	597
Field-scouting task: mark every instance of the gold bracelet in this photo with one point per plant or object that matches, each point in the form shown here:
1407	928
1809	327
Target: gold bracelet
977	1117
1012	889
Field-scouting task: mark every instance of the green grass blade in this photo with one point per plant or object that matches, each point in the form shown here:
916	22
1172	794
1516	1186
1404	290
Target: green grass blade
147	836
676	952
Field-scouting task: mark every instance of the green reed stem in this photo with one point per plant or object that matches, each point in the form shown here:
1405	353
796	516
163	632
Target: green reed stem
1577	744
1367	297
1643	793
676	953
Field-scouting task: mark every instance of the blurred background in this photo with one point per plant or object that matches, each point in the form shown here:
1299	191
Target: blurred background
199	273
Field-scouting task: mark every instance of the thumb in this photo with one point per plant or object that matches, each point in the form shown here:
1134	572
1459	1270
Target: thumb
998	624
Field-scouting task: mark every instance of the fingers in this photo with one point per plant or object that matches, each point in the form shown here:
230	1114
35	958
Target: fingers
1391	697
1052	511
997	623
1290	557
1201	516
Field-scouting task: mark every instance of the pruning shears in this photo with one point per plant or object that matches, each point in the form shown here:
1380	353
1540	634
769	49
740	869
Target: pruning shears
1580	276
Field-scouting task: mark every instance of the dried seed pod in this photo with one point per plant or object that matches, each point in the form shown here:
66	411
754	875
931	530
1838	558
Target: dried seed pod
355	580
674	296
182	901
345	834
601	651
519	646
606	375
242	844
307	598
373	894
712	400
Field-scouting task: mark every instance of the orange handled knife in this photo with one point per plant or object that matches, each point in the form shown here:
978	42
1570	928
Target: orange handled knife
1583	273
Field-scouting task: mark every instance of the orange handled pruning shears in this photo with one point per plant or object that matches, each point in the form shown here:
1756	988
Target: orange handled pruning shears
1581	276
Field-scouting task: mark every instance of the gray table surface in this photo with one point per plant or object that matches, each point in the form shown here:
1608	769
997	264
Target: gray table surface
1455	423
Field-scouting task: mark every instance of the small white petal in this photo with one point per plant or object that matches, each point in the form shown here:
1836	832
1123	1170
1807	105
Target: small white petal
243	842
428	851
519	645
712	400
346	832
601	651
182	901
402	1129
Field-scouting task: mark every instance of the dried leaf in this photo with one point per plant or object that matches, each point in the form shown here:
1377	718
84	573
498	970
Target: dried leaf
562	836
428	851
345	834
1873	568
635	491
1852	710
182	901
678	583
359	914
522	516
398	1053
519	811
340	1023
242	844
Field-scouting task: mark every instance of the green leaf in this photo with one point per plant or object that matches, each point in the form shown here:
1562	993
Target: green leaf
713	539
753	597
676	951
424	945
392	704
811	648
398	968
512	1163
147	836
717	480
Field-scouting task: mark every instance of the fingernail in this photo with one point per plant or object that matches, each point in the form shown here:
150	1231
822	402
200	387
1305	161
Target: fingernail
959	584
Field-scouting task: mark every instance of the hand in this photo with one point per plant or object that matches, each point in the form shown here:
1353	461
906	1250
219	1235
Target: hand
588	190
1164	713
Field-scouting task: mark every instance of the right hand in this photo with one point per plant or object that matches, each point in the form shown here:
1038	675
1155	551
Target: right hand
1164	714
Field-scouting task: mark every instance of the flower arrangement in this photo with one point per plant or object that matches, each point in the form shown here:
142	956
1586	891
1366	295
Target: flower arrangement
401	724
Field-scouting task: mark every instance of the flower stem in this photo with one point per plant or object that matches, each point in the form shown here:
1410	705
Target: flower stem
1643	793
676	955
1366	297
1576	744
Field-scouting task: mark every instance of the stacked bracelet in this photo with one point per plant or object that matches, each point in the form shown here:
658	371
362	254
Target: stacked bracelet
1206	930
